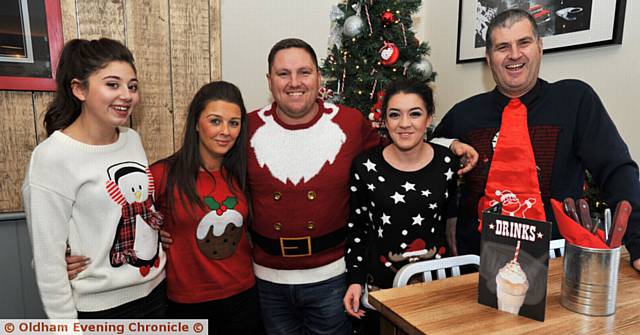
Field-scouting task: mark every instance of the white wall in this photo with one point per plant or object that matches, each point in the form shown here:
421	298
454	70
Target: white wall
250	28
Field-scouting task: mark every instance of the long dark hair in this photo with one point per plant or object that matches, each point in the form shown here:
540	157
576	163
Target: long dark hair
185	164
79	60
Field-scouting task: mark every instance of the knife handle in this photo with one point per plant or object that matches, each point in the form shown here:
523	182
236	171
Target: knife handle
570	209
607	223
619	225
594	226
585	215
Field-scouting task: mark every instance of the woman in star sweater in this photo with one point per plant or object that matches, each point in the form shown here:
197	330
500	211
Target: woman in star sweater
403	198
202	193
87	190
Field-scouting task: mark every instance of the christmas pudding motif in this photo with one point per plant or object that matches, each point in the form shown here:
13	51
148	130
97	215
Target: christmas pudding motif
219	232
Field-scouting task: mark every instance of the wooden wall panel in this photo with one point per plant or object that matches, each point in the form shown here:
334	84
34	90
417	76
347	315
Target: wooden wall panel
101	18
69	22
41	99
189	57
214	32
148	37
40	102
177	48
17	141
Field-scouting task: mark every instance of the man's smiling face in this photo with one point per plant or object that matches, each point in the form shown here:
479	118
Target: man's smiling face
515	58
294	81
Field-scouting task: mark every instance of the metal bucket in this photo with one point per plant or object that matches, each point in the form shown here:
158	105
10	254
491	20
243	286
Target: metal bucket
590	280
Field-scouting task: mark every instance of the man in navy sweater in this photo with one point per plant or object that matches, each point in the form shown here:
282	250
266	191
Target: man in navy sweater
569	128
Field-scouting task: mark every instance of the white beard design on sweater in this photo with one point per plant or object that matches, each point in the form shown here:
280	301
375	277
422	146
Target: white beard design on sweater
297	154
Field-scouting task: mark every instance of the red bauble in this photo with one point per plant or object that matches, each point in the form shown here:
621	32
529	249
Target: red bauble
387	18
389	54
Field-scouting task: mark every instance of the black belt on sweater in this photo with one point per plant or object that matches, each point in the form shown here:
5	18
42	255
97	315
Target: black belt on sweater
299	246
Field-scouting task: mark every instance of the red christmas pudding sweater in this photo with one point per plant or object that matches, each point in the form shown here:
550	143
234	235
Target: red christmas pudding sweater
210	258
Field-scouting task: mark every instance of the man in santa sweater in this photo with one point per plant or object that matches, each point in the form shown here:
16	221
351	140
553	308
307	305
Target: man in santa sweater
568	128
300	153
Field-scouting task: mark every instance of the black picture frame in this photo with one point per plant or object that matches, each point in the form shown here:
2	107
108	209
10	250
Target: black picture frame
564	25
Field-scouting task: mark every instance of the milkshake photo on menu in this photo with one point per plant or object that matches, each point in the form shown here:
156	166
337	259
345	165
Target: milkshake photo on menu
511	285
514	263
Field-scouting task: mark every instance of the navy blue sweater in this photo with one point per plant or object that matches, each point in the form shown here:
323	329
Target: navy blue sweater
570	131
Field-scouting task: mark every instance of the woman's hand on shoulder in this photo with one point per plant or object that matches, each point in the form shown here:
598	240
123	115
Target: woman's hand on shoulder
468	156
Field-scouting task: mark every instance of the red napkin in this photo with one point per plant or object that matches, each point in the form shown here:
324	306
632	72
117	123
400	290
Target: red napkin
573	232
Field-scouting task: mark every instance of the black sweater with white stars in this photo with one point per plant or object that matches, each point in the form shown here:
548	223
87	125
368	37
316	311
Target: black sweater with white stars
397	217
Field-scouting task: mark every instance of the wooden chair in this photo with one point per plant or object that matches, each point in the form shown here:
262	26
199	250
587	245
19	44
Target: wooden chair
438	265
556	248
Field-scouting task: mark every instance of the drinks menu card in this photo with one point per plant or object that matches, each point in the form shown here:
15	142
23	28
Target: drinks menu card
514	262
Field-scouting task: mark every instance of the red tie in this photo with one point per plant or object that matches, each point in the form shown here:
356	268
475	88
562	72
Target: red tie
513	179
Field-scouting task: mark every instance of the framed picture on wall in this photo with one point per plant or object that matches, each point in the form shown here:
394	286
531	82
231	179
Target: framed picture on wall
30	43
563	24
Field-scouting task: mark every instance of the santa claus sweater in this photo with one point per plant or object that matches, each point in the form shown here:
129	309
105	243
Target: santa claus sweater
397	216
299	176
570	131
67	201
210	258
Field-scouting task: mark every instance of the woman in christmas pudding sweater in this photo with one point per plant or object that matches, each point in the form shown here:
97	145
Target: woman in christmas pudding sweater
403	198
202	193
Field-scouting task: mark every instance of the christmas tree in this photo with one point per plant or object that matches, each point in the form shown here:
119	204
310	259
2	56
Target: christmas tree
371	44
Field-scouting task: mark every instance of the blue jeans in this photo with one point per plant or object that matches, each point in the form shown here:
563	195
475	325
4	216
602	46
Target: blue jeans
305	308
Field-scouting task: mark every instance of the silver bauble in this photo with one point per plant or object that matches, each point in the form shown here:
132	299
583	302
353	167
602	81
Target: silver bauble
423	67
352	26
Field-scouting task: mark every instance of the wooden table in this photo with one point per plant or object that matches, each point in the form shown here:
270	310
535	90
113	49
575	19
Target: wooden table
450	306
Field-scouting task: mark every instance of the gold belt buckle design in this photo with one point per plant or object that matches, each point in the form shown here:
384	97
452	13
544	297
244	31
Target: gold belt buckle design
295	246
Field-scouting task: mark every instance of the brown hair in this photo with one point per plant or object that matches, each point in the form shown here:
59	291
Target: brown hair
80	59
288	43
185	164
